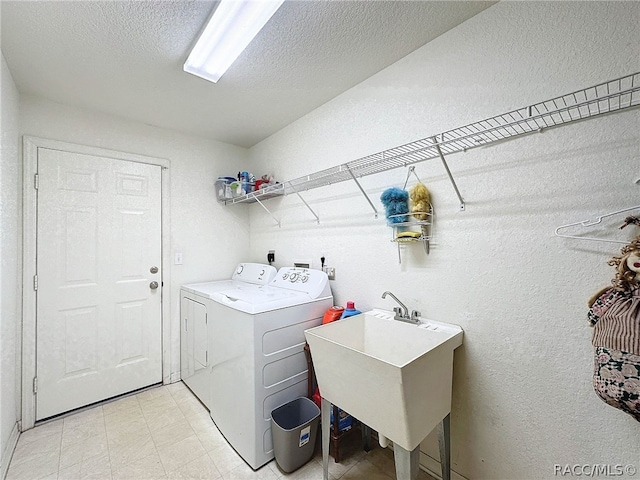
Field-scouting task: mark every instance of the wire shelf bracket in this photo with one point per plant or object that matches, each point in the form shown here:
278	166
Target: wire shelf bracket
446	167
268	211
310	209
375	210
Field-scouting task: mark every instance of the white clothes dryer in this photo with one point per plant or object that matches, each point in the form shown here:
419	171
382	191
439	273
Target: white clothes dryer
256	348
195	301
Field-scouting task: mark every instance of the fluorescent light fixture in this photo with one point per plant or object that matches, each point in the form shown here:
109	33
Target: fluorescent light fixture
230	29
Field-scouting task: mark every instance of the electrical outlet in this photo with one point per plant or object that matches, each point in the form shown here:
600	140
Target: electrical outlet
331	272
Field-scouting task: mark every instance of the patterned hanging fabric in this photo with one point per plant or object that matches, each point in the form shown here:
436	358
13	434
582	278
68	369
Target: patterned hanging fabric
614	314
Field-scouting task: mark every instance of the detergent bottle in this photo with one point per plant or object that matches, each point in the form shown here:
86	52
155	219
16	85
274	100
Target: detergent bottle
334	313
350	310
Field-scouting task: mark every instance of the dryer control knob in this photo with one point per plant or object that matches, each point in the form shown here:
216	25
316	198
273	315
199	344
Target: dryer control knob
304	279
293	277
240	268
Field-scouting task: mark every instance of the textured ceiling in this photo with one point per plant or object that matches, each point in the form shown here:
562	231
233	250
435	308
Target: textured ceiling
125	58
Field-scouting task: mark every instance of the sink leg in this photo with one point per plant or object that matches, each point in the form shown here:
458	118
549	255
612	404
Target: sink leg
444	442
407	462
326	434
366	437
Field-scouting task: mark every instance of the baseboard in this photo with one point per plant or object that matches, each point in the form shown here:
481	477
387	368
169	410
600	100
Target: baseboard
8	451
432	467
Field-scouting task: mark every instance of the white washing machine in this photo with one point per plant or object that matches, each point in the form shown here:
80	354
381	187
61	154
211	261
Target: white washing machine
256	353
195	301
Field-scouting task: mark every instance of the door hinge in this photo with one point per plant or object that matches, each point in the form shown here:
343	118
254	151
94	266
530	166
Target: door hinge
35	282
35	384
36	181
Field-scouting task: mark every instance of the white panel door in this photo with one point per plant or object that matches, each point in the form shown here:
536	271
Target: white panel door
98	316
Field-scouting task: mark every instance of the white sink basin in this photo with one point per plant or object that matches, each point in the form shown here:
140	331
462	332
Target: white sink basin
393	376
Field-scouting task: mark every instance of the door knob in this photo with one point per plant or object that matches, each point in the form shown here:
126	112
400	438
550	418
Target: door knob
153	285
153	269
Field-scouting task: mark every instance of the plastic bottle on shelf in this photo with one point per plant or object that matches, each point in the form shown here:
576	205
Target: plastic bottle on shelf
350	310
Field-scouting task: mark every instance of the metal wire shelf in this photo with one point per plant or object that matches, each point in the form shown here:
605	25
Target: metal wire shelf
271	191
608	97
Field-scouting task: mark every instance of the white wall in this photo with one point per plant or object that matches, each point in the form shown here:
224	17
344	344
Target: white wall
10	249
212	238
523	400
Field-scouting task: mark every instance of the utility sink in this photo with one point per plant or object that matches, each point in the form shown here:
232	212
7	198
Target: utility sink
393	376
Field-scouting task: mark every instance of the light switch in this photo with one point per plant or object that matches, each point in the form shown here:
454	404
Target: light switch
178	259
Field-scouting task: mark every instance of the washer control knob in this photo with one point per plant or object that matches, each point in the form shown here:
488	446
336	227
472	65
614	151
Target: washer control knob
305	279
293	277
285	276
240	268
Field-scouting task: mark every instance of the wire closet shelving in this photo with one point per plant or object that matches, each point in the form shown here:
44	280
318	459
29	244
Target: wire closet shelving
608	97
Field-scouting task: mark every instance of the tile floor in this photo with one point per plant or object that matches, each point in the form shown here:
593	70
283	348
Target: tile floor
164	433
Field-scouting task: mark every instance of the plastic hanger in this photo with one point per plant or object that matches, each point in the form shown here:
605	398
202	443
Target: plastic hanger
589	223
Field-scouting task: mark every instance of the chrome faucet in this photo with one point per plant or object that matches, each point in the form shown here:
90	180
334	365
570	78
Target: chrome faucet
402	312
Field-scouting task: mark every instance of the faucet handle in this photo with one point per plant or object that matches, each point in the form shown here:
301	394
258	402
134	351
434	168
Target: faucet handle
415	316
397	311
